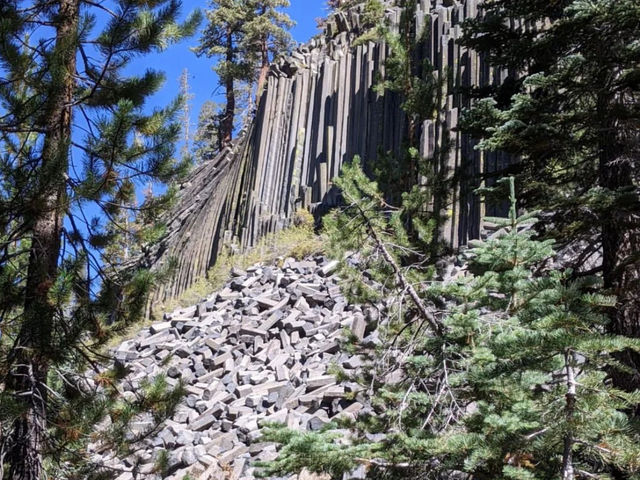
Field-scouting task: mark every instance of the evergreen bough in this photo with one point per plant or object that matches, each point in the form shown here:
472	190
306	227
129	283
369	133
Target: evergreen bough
512	384
568	111
77	138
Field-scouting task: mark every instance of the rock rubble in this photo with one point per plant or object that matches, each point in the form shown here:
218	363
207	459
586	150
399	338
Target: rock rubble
260	350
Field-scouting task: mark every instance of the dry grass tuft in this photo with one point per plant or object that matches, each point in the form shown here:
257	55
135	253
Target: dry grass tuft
297	241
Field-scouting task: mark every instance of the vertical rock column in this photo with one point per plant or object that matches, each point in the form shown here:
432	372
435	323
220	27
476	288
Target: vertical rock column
318	110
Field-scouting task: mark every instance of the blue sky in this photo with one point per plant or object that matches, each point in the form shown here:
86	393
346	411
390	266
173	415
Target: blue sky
203	82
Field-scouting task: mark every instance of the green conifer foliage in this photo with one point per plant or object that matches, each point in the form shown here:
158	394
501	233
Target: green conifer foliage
206	136
244	36
569	110
534	356
422	185
413	81
267	36
75	141
221	38
374	229
510	382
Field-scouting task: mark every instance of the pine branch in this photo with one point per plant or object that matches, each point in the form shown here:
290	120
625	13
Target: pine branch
429	317
383	463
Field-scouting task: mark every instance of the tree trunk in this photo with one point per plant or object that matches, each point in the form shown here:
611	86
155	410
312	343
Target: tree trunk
427	315
226	125
409	40
568	472
620	247
620	243
32	352
264	69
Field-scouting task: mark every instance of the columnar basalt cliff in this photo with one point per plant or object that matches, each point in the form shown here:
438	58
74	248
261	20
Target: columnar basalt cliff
319	109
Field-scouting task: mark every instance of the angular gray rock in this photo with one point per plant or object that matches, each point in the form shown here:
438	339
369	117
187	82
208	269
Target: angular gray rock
242	370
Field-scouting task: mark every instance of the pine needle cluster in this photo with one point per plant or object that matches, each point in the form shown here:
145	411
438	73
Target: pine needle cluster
506	375
77	139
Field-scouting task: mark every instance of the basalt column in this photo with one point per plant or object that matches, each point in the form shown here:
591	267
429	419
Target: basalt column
319	109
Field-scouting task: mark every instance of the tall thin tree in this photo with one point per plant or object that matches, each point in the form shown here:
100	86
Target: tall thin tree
267	35
244	36
92	141
187	97
221	38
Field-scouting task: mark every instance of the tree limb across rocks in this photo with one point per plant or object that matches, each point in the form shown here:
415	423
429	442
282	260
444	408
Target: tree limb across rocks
427	315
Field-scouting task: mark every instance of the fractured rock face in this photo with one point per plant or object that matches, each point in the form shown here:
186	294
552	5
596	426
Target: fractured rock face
321	107
257	351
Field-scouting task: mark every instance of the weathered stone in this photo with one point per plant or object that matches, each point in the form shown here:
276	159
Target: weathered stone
189	457
159	327
351	411
330	347
125	355
185	437
253	401
208	418
329	267
282	373
353	362
254	332
317	421
358	327
302	305
232	454
167	437
222	358
307	475
242	368
320	381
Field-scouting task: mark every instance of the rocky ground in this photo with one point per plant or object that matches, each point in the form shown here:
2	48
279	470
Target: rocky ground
257	351
260	350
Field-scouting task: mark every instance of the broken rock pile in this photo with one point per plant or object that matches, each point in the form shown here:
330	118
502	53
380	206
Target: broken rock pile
260	350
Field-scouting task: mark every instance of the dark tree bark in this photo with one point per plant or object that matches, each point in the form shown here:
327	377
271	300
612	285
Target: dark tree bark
620	248
31	355
226	124
264	68
264	62
568	472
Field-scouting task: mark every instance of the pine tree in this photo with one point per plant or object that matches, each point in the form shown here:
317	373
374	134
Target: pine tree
375	229
205	140
412	79
187	96
267	35
422	185
569	111
244	35
503	377
221	38
88	142
531	354
120	232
